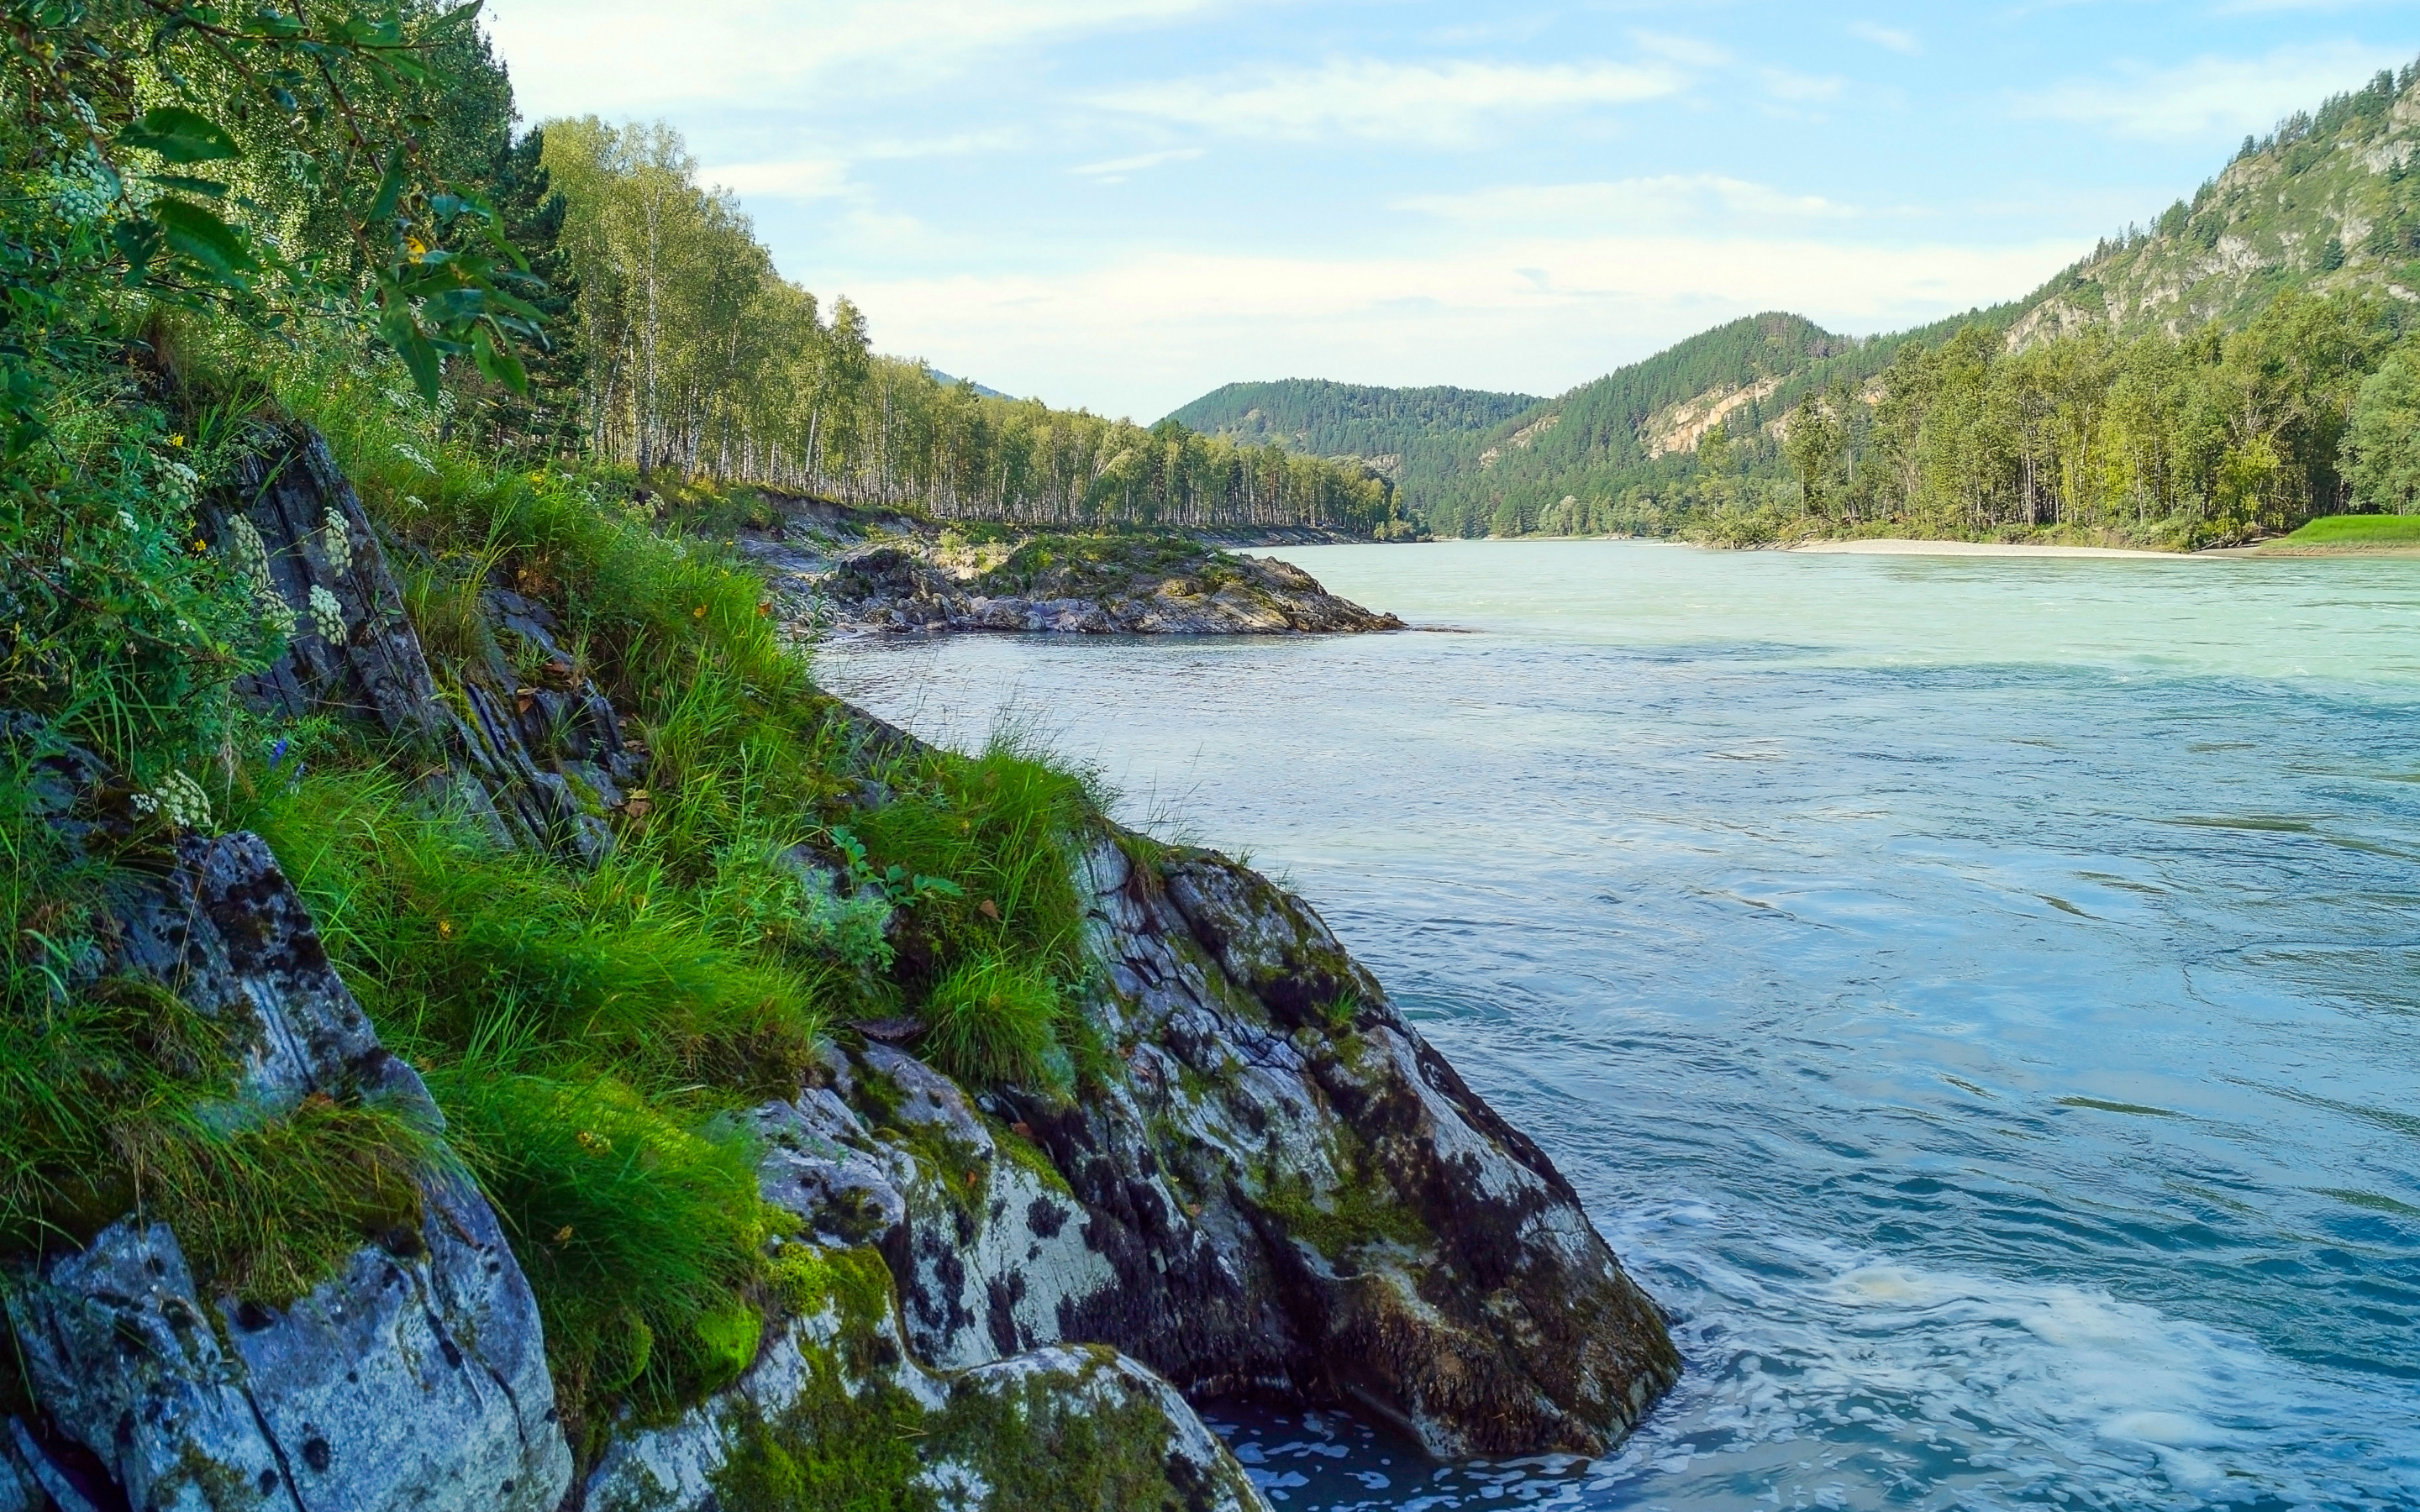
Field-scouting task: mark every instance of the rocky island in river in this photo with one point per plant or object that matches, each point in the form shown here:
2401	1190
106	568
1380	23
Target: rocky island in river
851	571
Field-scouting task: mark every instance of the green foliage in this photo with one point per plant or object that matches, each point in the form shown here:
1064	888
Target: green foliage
641	1237
2381	447
992	1022
1318	418
319	111
112	628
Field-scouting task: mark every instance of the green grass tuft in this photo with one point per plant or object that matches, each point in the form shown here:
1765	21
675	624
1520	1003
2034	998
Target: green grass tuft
991	1022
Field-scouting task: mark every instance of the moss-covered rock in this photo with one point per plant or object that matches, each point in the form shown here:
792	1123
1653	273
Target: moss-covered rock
838	1416
1280	1189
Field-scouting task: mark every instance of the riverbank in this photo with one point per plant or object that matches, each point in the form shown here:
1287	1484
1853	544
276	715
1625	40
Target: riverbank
1891	547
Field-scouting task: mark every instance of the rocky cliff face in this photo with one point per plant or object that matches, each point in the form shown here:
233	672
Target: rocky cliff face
1276	1188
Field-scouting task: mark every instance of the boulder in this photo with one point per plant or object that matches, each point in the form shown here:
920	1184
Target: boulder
1284	1192
414	1378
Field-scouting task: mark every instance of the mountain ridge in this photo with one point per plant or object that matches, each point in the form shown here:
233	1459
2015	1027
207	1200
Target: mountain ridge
2329	202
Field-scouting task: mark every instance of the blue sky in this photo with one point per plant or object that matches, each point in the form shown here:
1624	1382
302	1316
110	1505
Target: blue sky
1123	204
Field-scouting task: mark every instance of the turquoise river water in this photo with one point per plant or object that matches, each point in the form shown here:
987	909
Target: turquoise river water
1980	998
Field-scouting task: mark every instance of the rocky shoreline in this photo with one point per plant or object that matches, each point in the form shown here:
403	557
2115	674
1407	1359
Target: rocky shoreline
1272	1187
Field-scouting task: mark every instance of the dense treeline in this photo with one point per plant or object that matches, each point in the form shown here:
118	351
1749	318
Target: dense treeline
2312	409
699	358
2207	437
1326	419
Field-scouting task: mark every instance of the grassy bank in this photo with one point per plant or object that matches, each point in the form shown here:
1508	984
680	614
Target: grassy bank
587	1033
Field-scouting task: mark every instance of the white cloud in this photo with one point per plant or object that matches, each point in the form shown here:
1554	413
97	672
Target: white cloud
1889	37
1435	103
1116	169
1686	50
1143	335
623	57
2212	96
1801	88
1666	202
798	178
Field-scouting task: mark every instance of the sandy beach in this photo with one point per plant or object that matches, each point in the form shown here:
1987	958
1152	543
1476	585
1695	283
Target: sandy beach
1969	549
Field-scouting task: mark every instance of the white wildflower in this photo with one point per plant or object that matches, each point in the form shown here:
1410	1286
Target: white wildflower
335	545
245	550
327	615
179	799
125	520
178	484
414	456
249	556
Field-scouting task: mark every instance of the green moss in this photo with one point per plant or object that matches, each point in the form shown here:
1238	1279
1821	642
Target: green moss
1363	1209
1024	1152
1040	1448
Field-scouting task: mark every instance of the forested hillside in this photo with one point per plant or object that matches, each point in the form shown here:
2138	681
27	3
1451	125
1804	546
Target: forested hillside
1324	419
699	358
1607	435
2234	369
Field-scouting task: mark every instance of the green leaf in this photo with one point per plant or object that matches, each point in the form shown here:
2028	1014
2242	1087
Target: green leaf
390	190
420	357
138	242
499	361
180	136
210	187
195	232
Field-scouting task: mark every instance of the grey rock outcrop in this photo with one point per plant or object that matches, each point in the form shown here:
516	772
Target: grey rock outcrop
1286	1192
539	761
415	1378
978	1408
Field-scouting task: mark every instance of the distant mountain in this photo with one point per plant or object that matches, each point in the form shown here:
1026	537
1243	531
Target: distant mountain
1324	419
2330	201
1602	435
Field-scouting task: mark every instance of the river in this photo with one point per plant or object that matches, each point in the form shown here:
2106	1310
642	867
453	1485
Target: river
1980	998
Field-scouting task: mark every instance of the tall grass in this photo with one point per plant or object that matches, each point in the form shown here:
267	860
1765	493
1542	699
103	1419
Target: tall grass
588	1034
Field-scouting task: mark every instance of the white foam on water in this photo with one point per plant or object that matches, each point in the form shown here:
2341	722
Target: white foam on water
1931	1388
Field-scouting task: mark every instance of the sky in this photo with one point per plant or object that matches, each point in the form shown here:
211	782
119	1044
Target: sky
1123	204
